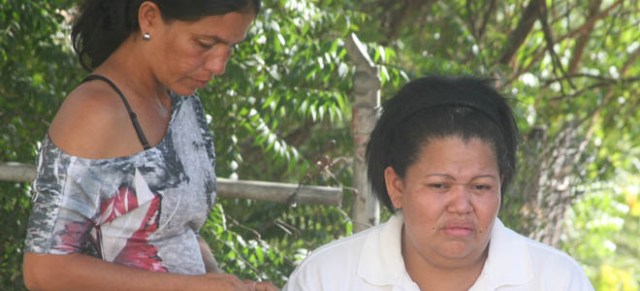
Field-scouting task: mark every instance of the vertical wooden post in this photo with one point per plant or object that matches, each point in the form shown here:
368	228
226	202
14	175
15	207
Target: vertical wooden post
367	83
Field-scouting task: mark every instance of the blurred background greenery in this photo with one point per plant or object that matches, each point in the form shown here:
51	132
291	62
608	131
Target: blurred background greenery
282	113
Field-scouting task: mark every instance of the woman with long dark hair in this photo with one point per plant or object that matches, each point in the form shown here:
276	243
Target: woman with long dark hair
126	171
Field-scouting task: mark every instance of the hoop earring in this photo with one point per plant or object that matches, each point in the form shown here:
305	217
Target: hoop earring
146	36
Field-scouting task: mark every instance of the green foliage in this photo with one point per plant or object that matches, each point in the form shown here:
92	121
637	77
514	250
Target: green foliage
603	234
14	208
36	70
298	76
268	245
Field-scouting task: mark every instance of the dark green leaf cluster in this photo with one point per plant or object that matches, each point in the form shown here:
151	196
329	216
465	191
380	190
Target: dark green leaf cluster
36	71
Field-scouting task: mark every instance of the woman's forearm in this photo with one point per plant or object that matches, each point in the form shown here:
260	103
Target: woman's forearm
81	272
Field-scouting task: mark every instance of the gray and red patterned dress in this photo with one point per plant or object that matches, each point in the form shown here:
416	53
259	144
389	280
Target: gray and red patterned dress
143	210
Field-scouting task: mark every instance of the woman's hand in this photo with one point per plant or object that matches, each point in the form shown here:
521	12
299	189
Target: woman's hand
218	281
260	286
228	282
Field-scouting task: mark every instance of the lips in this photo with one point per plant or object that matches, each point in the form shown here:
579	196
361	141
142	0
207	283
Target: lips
458	229
201	83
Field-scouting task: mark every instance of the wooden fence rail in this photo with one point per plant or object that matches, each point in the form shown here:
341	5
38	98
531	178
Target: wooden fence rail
257	190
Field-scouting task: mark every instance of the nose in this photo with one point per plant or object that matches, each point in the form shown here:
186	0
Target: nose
460	200
216	60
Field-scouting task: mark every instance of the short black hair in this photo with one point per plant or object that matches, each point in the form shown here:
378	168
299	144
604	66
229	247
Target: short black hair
437	107
102	25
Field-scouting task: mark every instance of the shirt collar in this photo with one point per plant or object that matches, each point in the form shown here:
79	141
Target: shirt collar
508	263
509	260
381	262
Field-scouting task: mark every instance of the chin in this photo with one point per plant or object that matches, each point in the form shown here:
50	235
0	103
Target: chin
458	250
185	91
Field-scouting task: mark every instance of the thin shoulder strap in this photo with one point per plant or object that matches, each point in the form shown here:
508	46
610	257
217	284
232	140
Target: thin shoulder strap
132	115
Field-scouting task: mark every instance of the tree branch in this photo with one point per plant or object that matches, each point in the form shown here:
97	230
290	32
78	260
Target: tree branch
585	34
588	25
485	19
605	82
608	99
601	78
548	36
519	35
540	53
488	10
395	13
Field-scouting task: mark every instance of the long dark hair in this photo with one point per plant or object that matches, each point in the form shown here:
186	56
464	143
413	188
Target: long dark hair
437	107
102	25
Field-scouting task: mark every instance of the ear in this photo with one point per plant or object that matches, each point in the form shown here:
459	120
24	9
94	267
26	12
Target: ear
149	17
395	187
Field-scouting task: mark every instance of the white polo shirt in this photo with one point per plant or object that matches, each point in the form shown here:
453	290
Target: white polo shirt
372	260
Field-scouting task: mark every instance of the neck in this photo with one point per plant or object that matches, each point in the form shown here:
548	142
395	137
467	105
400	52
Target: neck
444	274
127	67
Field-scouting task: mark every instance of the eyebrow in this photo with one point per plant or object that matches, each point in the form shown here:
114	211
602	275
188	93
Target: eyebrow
452	178
221	40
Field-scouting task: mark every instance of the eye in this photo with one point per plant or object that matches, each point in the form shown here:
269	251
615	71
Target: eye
439	187
482	187
206	45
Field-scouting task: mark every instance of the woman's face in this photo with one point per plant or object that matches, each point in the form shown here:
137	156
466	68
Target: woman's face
189	54
449	198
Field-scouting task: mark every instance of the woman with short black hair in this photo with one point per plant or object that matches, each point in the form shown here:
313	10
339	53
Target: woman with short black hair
440	158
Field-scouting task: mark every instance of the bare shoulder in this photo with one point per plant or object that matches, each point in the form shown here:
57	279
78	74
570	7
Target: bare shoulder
90	122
